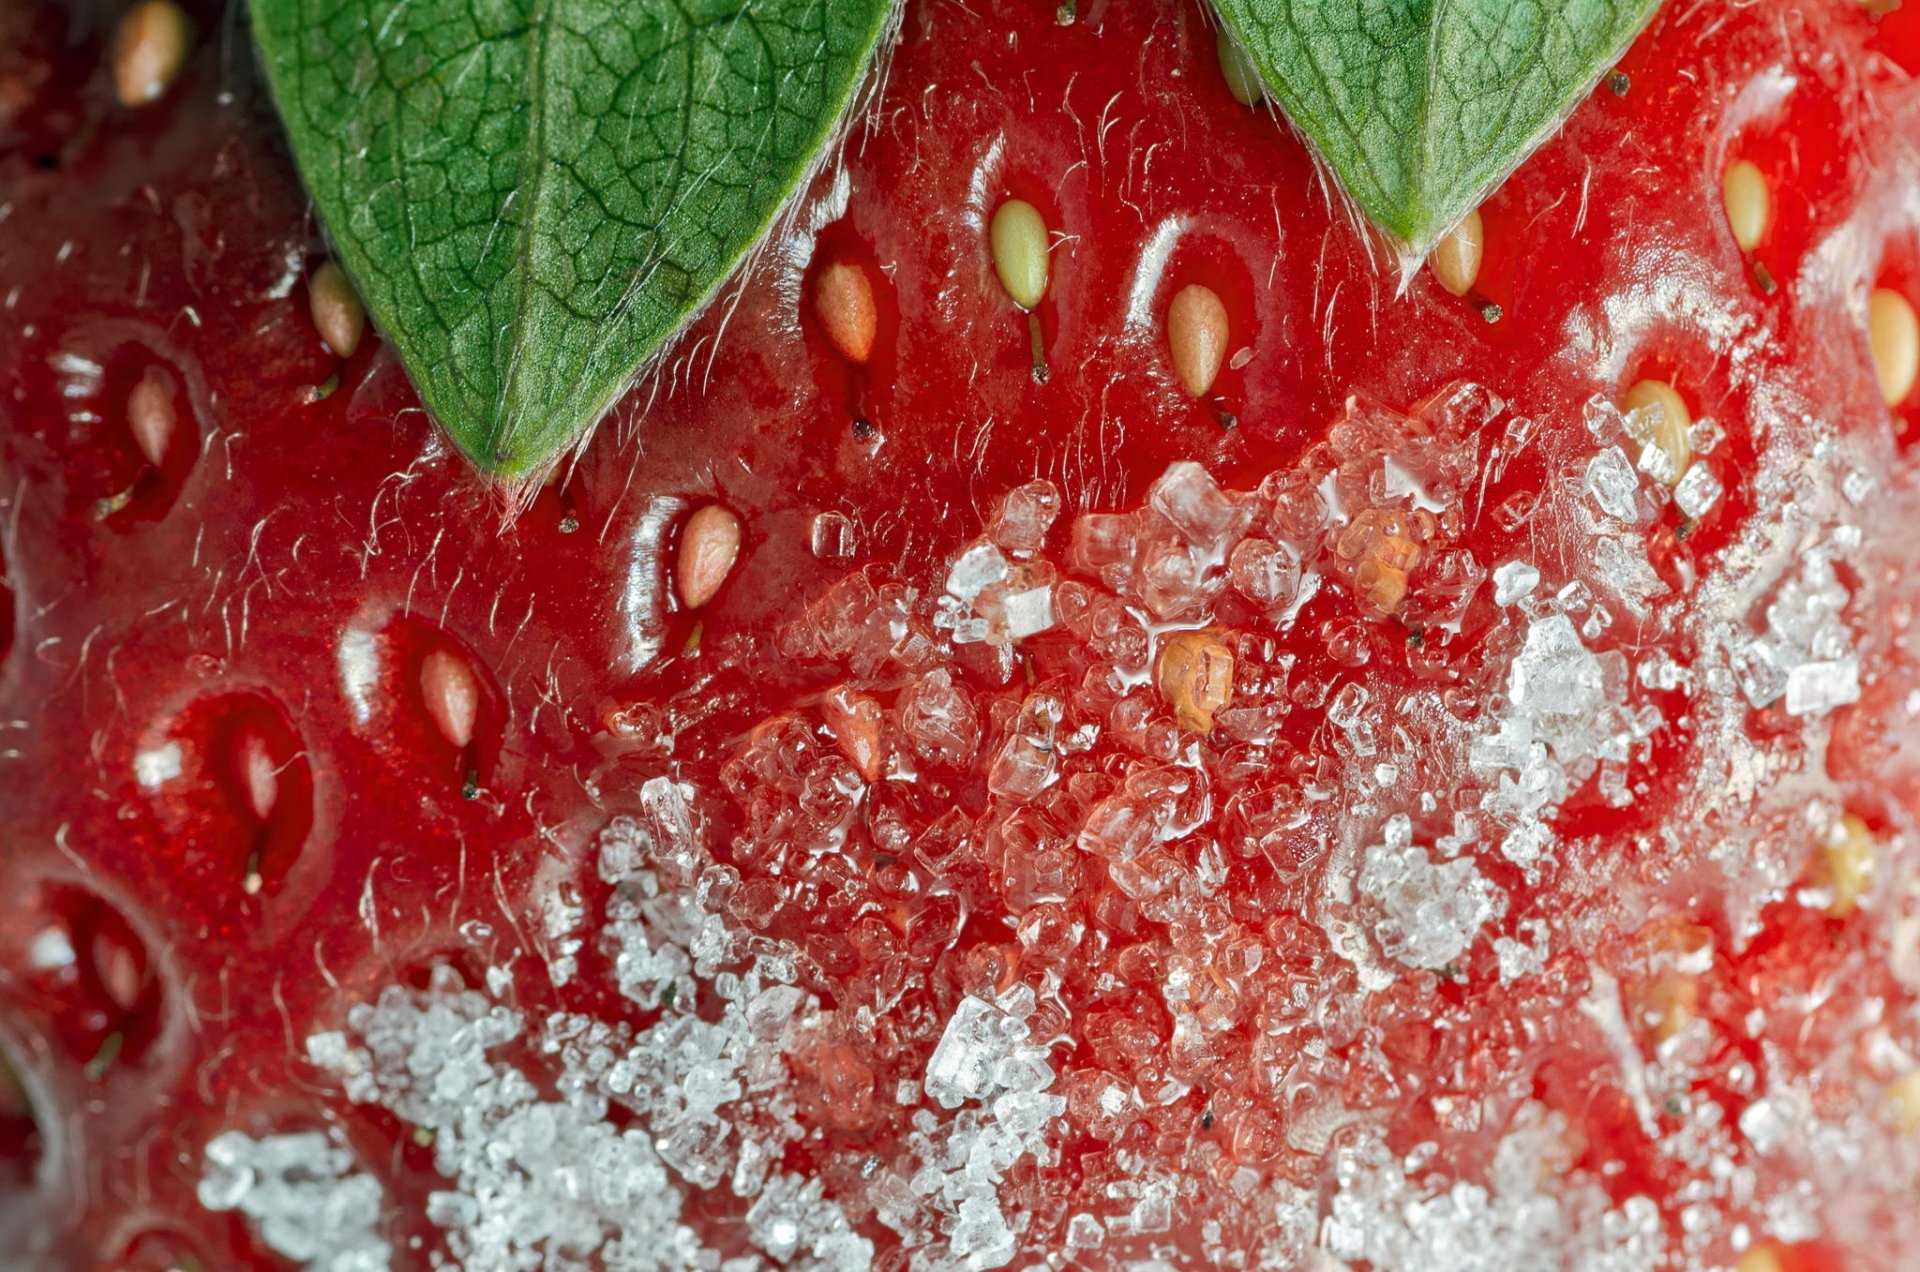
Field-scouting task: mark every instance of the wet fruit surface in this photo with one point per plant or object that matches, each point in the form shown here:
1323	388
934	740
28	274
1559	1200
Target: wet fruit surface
938	781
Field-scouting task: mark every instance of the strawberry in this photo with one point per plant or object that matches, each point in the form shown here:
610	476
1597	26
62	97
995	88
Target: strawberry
1076	718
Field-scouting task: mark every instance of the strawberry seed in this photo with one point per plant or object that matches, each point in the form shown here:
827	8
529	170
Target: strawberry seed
258	771
1657	419
148	50
1456	257
1903	1102
1850	864
1194	673
1197	337
843	300
1893	330
451	693
1749	203
151	417
1019	239
708	548
1237	68
338	315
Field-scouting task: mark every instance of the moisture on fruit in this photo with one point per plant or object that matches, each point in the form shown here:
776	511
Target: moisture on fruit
1315	780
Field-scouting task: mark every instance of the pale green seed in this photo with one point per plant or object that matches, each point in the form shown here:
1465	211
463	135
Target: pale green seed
1019	238
1243	78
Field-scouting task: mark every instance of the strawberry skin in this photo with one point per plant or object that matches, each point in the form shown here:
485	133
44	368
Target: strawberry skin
1337	816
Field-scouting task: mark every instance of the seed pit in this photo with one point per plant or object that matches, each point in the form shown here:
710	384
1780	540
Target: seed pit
1781	179
848	317
22	1140
425	700
561	502
106	1000
141	408
232	785
161	1250
1206	307
445	969
269	786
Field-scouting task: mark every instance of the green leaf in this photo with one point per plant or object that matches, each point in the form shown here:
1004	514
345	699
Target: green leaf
1422	107
534	196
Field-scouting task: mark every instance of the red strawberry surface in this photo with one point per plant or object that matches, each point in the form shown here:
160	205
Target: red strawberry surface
1357	818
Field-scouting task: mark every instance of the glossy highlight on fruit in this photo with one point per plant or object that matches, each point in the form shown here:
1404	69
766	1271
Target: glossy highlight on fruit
1405	804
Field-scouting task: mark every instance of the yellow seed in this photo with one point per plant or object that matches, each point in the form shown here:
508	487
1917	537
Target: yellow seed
1903	1102
1456	258
1850	864
148	50
338	315
1677	951
1894	332
1195	675
1749	203
1019	238
843	299
1197	337
708	548
151	418
1664	430
1761	1258
1671	1002
1237	68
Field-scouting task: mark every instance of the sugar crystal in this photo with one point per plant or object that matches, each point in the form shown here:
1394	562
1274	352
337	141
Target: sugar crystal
1188	497
1614	485
1513	581
303	1195
1697	492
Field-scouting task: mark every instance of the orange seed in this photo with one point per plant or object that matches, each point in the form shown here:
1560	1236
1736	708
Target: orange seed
1197	337
1195	675
149	49
151	417
843	300
709	545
